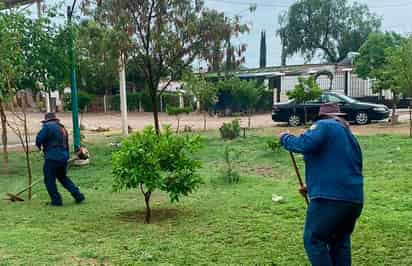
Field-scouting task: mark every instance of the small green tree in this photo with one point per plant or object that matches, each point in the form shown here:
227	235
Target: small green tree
248	93
177	112
205	93
229	173
157	162
306	90
400	65
372	63
12	65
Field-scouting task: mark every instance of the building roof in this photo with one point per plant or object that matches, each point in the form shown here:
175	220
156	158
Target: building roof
274	71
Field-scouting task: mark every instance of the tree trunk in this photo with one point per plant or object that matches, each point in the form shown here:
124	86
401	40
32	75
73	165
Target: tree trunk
148	210
4	137
394	116
249	119
204	121
27	151
410	120
153	95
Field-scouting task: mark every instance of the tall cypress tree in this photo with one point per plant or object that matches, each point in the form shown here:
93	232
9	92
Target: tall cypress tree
263	53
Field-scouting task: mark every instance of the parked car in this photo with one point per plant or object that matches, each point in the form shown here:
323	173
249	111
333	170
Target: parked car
360	113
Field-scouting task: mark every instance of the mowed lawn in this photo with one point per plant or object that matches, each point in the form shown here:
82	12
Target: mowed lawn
219	224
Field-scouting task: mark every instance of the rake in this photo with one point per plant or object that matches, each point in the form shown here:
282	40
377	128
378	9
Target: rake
13	197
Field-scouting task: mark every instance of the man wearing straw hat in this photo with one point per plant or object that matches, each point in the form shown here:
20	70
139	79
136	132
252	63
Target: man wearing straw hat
54	141
333	160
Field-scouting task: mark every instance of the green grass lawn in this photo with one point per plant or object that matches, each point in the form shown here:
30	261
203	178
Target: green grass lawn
220	224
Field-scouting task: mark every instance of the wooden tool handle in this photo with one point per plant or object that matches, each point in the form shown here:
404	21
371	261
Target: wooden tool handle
27	188
302	185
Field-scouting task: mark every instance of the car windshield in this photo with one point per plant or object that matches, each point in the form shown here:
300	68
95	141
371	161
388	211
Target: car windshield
337	98
346	98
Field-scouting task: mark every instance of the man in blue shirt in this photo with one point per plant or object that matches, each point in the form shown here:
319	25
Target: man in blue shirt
53	139
333	160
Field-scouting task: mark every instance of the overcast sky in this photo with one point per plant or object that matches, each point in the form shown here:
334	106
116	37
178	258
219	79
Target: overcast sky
396	16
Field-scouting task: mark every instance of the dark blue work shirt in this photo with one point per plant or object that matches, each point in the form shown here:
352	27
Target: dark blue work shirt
53	138
333	160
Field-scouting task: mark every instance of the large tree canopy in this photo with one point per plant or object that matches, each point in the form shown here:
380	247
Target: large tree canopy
372	61
97	60
332	27
166	36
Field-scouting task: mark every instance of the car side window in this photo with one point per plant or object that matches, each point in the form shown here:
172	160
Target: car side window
333	99
324	99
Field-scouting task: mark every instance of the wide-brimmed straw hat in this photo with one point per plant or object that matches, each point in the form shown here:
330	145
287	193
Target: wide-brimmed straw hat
330	109
50	117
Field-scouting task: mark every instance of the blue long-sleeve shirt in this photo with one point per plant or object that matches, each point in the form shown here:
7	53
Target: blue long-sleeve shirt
53	138
333	160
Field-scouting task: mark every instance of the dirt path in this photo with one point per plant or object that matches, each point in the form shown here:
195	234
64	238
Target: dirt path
139	120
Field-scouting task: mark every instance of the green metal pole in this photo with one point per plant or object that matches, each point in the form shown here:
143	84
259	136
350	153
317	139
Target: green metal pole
73	82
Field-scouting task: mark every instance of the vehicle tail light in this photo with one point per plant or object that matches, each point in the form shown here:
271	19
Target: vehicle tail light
275	109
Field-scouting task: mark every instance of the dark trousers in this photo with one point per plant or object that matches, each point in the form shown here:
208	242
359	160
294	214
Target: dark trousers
328	228
56	169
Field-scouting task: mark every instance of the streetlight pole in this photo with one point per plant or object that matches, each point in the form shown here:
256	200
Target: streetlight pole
73	80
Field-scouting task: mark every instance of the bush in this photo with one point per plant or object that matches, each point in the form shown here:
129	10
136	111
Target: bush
153	162
230	130
133	99
229	174
274	145
178	111
84	99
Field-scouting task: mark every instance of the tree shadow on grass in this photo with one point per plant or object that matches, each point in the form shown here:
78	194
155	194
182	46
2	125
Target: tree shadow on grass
159	215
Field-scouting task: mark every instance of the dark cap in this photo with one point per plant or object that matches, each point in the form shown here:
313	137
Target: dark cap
50	117
330	109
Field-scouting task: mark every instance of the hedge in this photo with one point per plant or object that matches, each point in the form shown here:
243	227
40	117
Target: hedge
133	99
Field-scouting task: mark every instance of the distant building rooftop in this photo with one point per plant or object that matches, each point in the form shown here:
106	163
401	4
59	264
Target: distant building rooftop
274	71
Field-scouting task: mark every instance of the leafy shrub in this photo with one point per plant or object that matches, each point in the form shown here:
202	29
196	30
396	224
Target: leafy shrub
230	130
274	145
143	98
84	99
177	111
153	162
229	174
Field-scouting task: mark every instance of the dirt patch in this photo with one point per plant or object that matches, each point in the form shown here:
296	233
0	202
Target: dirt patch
83	262
158	215
264	171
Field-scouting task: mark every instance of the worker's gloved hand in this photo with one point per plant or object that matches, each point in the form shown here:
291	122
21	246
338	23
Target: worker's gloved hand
283	133
303	190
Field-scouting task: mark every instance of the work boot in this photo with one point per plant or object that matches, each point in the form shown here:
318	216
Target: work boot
80	199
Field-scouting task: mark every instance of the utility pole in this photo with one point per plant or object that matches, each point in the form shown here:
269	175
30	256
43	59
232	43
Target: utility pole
123	95
73	80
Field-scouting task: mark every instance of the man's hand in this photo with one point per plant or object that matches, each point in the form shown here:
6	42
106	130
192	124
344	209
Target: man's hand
303	191
283	133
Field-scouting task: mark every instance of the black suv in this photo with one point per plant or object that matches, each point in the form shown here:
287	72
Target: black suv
358	112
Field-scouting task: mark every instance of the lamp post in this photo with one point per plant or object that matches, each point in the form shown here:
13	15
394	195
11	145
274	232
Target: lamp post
73	80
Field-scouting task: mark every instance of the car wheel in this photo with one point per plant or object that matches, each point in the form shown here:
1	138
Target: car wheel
362	118
294	120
